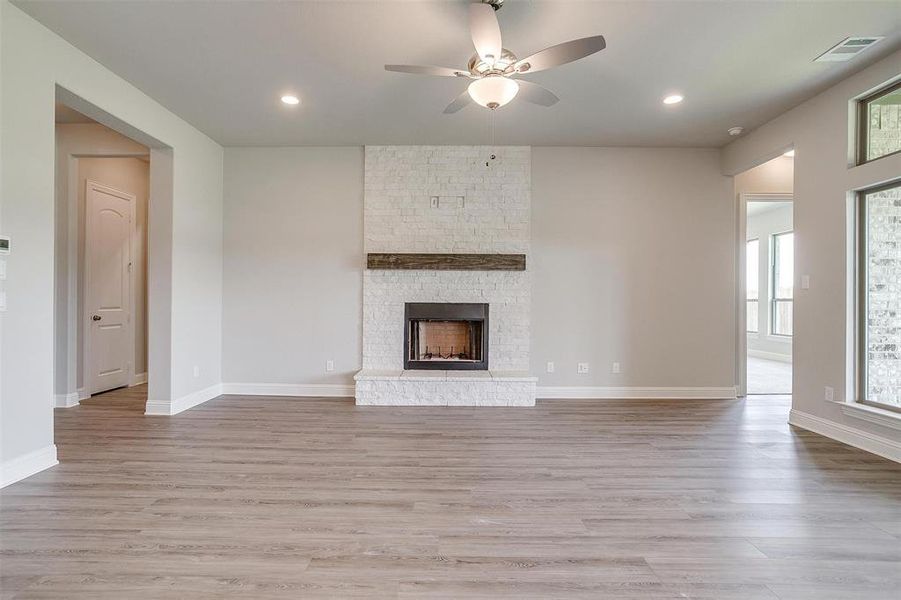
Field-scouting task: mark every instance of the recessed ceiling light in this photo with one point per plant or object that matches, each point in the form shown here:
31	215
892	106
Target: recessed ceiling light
673	99
292	100
790	153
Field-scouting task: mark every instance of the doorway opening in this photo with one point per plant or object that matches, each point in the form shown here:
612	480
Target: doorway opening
101	315
770	289
766	282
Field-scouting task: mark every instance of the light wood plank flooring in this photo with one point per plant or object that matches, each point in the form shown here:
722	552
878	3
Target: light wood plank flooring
259	498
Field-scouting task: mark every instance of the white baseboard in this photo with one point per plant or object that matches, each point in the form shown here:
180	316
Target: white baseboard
83	394
318	390
164	407
19	468
138	379
786	358
852	436
66	400
647	393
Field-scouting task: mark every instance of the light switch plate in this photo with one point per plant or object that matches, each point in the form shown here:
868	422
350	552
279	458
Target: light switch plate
2	269
550	367
3	301
805	282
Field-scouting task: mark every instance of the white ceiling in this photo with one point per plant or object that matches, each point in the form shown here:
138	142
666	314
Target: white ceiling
223	65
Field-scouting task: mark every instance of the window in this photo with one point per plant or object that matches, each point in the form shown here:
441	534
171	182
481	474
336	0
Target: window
879	124
752	273
879	299
783	283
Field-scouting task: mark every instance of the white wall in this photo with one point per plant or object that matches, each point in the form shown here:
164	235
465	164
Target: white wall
762	227
821	131
632	262
74	143
293	265
776	176
34	61
625	267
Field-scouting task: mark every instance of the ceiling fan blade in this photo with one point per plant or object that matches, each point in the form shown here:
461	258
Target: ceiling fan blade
561	54
459	102
486	33
427	70
536	94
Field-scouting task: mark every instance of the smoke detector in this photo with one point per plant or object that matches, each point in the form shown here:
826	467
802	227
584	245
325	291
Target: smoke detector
847	49
734	131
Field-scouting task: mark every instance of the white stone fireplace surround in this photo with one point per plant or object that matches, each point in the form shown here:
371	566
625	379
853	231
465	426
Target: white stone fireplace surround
480	209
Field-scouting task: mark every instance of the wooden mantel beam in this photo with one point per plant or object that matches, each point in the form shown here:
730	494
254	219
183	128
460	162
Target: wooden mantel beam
447	262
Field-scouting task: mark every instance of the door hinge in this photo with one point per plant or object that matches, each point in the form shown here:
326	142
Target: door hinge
129	267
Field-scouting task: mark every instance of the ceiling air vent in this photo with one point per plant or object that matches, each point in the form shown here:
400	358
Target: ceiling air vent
847	49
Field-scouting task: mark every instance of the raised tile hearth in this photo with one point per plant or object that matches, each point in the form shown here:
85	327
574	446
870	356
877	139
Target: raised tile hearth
444	388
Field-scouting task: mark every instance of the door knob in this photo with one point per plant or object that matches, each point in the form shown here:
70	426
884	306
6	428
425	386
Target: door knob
96	318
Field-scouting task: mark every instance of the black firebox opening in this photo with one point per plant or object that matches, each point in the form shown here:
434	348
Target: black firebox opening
445	336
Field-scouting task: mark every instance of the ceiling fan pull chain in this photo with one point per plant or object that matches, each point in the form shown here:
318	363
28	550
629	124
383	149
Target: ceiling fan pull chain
493	155
493	112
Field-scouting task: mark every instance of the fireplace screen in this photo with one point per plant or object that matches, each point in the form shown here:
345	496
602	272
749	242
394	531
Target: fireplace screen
446	336
446	340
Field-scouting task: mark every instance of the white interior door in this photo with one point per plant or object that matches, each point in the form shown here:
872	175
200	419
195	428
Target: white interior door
108	225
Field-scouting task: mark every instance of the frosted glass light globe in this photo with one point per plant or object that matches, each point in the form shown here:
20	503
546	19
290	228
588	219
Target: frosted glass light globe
493	91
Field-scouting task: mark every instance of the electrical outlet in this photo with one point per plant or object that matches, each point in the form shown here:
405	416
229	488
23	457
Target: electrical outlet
805	282
550	367
616	367
196	371
583	368
828	394
2	268
329	365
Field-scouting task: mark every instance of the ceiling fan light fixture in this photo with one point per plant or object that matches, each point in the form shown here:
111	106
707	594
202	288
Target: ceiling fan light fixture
492	65
493	91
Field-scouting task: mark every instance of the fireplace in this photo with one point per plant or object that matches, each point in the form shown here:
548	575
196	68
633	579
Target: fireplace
446	336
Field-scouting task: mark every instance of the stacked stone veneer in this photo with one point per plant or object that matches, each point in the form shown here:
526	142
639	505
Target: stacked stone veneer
481	209
884	301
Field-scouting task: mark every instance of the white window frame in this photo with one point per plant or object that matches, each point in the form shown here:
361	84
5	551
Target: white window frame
756	332
773	300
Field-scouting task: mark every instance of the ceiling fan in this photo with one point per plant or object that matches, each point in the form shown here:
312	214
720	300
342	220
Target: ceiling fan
493	68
